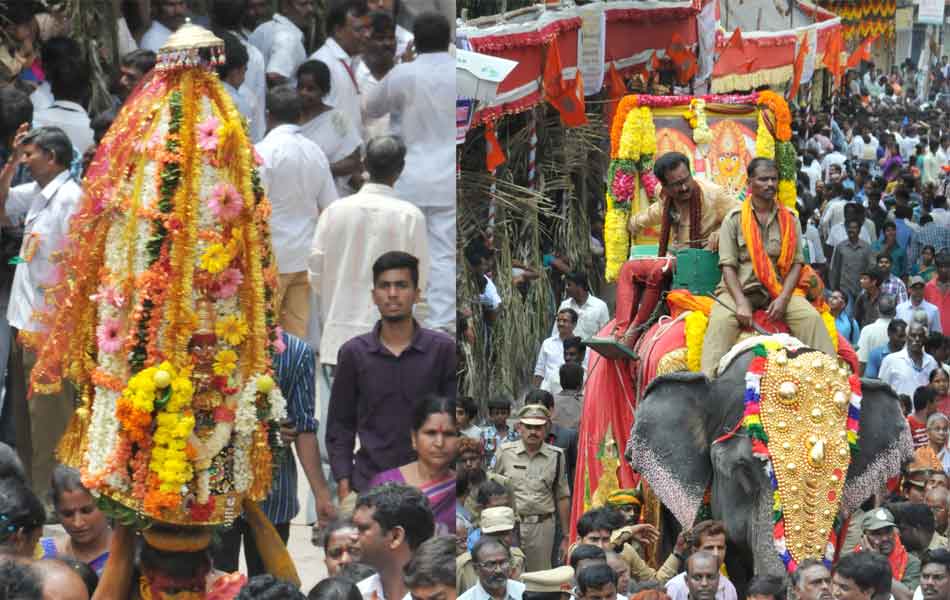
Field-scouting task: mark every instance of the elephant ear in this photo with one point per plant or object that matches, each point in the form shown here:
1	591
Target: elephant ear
884	444
669	444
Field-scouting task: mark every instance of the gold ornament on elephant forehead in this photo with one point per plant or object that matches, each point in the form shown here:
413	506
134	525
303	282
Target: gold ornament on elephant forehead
803	409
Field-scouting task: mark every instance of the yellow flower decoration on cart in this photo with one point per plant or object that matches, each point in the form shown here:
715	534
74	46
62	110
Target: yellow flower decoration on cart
232	329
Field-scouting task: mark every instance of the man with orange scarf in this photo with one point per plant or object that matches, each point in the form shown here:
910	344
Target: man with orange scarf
689	215
880	535
760	253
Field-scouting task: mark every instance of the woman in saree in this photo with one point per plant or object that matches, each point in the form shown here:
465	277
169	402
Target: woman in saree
435	438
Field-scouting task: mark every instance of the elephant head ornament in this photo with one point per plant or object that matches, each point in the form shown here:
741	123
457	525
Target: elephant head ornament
687	438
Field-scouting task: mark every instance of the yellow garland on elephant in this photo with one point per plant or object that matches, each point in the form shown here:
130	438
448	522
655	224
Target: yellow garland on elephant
695	328
787	195
616	238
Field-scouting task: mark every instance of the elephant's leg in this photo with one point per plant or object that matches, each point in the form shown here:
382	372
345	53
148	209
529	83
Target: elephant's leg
721	333
806	325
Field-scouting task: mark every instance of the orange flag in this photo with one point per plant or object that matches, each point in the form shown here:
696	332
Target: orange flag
566	97
832	58
862	52
735	41
616	88
798	67
494	155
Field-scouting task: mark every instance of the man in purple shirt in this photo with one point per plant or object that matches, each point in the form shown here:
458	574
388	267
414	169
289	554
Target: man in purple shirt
379	375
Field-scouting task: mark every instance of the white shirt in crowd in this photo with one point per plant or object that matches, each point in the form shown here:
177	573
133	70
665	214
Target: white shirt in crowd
816	254
490	298
550	360
908	146
899	371
906	310
382	222
404	37
155	37
372	127
372	589
814	175
591	316
281	44
337	137
422	92
677	589
514	591
72	118
254	88
832	158
297	178
871	337
839	233
44	213
344	89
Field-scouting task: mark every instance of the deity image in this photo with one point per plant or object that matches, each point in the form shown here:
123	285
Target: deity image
729	154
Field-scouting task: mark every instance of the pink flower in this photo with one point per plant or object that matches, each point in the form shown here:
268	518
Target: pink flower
278	343
108	335
226	203
110	295
258	159
208	134
623	186
226	283
650	183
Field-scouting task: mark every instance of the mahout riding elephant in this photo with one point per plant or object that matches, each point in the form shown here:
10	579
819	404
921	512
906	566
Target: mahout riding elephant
686	438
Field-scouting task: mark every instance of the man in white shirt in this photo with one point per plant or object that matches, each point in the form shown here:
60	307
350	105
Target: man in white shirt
169	16
709	542
393	520
348	28
340	270
422	92
909	368
69	81
908	143
874	335
403	36
551	356
233	71
297	178
592	312
916	302
227	14
281	40
835	157
492	561
44	208
377	60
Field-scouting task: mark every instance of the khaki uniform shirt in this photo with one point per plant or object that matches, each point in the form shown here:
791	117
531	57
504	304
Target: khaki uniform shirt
734	253
466	577
641	571
538	481
717	202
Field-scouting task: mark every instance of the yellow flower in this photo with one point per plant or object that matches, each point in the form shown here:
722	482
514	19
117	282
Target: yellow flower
695	328
231	329
225	362
215	259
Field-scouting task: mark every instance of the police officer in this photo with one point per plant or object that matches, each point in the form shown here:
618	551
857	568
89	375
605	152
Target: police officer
497	522
537	475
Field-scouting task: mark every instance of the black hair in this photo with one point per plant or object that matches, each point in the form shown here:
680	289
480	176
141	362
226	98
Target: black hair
574	342
319	71
468	404
475	250
489	542
488	489
571	312
64	479
141	60
579	278
82	569
19	509
431	32
268	587
356	572
877	274
69	78
911	514
431	404
332	528
596	519
758	161
940	556
52	140
15	109
586	552
385	157
283	103
942	259
596	575
337	11
380	21
571	376
101	123
395	259
400	506
59	48
767	585
19	581
184	566
935	372
667	163
866	569
542	397
923	397
432	564
228	14
335	588
935	341
500	401
894	325
235	54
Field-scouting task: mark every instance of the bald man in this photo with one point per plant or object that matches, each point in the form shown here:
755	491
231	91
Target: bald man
937	499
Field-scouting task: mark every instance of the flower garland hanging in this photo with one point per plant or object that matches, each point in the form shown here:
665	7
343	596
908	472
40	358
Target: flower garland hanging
616	238
695	326
753	425
696	115
764	142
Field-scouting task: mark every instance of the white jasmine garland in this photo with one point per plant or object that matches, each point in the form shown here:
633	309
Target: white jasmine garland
242	473
104	428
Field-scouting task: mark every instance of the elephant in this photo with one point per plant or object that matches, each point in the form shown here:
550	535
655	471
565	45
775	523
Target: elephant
672	446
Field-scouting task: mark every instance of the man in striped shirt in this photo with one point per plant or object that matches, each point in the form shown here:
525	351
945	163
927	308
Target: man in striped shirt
294	369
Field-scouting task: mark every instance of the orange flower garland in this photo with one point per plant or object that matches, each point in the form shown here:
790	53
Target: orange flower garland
627	103
781	112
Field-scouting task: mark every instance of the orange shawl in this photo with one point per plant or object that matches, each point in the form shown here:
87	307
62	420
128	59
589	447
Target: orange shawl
898	557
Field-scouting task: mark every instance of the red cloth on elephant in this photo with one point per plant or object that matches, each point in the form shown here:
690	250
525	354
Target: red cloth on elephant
651	273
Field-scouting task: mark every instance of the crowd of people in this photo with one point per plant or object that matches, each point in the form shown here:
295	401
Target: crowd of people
356	152
872	224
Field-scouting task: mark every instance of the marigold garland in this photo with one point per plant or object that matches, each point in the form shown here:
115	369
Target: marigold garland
780	111
616	238
764	142
695	328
